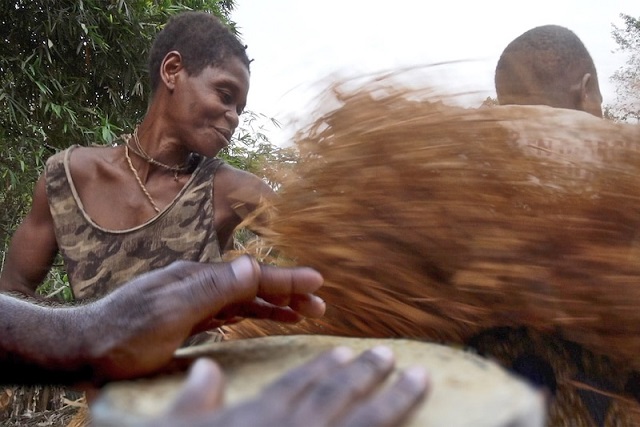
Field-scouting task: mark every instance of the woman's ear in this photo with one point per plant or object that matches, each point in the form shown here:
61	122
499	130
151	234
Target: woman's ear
169	68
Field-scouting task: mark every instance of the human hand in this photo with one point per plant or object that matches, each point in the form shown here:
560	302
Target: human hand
279	298
332	389
136	329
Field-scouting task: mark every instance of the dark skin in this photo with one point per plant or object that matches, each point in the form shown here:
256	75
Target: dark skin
188	113
334	389
580	89
586	94
582	95
135	330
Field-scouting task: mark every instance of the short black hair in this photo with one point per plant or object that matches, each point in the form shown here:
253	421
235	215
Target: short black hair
202	40
542	63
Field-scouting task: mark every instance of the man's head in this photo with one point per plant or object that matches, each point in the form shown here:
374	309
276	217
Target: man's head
202	41
548	65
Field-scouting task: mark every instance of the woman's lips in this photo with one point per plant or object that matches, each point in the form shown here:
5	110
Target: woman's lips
226	133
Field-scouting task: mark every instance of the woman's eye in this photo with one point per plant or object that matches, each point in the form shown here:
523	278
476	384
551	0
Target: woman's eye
226	97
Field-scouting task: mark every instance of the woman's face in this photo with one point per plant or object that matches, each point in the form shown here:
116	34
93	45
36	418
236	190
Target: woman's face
206	106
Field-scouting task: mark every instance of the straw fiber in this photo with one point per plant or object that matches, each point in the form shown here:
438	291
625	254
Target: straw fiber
513	229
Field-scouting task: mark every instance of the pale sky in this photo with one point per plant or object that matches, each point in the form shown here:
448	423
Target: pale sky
296	43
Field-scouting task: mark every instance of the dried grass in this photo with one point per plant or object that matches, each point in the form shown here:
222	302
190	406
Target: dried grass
438	222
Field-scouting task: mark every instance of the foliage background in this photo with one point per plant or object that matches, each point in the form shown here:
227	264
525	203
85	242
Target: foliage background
627	78
75	72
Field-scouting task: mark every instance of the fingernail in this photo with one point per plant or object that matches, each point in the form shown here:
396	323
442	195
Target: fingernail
342	353
242	265
202	370
317	299
383	352
417	375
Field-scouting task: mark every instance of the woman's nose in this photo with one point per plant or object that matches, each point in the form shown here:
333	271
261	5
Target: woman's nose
233	118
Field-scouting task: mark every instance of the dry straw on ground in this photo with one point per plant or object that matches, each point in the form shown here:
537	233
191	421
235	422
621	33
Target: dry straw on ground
439	222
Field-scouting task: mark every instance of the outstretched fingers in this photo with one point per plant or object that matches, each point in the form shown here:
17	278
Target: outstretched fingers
394	405
333	389
280	287
353	394
244	288
288	388
341	390
270	282
278	283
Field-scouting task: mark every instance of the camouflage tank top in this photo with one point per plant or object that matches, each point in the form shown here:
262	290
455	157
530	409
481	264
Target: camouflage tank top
98	260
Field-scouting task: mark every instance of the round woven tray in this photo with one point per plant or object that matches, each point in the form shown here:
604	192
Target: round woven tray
467	389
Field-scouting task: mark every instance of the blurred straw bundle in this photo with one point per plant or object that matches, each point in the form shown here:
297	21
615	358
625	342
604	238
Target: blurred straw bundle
439	222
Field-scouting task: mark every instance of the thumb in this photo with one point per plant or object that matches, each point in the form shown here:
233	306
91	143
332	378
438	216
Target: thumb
215	286
203	390
246	270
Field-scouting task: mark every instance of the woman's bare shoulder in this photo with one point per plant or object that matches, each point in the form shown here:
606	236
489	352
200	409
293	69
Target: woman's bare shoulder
88	161
232	179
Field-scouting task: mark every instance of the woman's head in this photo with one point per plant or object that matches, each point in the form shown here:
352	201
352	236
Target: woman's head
202	41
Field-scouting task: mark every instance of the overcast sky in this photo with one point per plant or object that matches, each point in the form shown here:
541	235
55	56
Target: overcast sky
296	43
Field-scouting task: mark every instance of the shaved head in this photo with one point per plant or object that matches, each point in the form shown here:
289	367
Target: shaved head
548	65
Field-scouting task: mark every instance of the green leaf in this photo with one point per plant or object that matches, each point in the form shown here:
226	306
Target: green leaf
74	72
